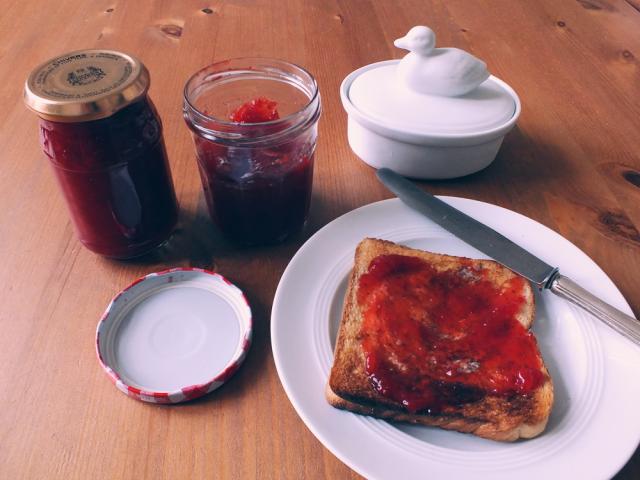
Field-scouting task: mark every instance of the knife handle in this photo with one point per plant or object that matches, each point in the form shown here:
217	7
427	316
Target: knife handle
620	322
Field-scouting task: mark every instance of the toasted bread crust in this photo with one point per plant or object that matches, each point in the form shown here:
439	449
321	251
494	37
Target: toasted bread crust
494	417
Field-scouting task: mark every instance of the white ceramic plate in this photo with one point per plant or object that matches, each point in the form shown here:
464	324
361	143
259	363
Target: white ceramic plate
595	423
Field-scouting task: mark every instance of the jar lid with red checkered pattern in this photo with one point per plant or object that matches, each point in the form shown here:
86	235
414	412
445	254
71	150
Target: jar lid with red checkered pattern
174	335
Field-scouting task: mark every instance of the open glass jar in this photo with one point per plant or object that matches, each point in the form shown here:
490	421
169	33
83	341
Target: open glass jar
256	172
103	138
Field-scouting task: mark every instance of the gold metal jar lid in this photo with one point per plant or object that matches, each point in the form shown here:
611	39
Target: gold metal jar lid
85	85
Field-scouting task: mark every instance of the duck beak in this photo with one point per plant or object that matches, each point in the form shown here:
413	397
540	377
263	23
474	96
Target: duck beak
402	43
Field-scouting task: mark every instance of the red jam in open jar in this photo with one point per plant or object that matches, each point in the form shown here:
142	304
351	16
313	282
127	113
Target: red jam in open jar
103	138
254	124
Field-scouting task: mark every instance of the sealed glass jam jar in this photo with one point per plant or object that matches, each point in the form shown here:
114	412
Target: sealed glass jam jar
254	124
103	138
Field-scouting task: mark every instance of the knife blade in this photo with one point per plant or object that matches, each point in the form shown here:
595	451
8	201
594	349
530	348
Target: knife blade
507	253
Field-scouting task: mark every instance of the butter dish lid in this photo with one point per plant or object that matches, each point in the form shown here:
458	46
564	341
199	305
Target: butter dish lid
433	91
377	94
174	335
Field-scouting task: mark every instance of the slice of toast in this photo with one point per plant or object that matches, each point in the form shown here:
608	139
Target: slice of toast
504	416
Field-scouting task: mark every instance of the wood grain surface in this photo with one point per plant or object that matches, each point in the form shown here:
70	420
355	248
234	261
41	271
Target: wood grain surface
573	164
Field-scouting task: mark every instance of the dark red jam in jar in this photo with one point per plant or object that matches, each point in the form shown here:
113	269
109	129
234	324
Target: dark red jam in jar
437	338
254	124
103	138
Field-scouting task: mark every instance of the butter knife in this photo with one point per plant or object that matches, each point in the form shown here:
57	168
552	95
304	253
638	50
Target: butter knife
504	251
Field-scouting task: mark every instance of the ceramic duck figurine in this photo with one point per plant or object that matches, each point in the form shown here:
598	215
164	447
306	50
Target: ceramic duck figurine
438	71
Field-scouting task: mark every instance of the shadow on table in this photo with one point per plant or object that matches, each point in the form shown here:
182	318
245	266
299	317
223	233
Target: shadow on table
197	242
193	243
523	163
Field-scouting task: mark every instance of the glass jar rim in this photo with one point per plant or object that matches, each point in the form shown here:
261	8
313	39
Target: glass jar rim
189	108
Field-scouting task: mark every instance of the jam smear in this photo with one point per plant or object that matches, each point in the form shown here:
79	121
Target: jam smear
443	338
258	110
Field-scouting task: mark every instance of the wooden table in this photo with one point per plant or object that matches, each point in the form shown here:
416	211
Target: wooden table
572	164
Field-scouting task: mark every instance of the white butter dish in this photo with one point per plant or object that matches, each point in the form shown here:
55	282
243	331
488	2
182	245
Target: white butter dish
402	115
